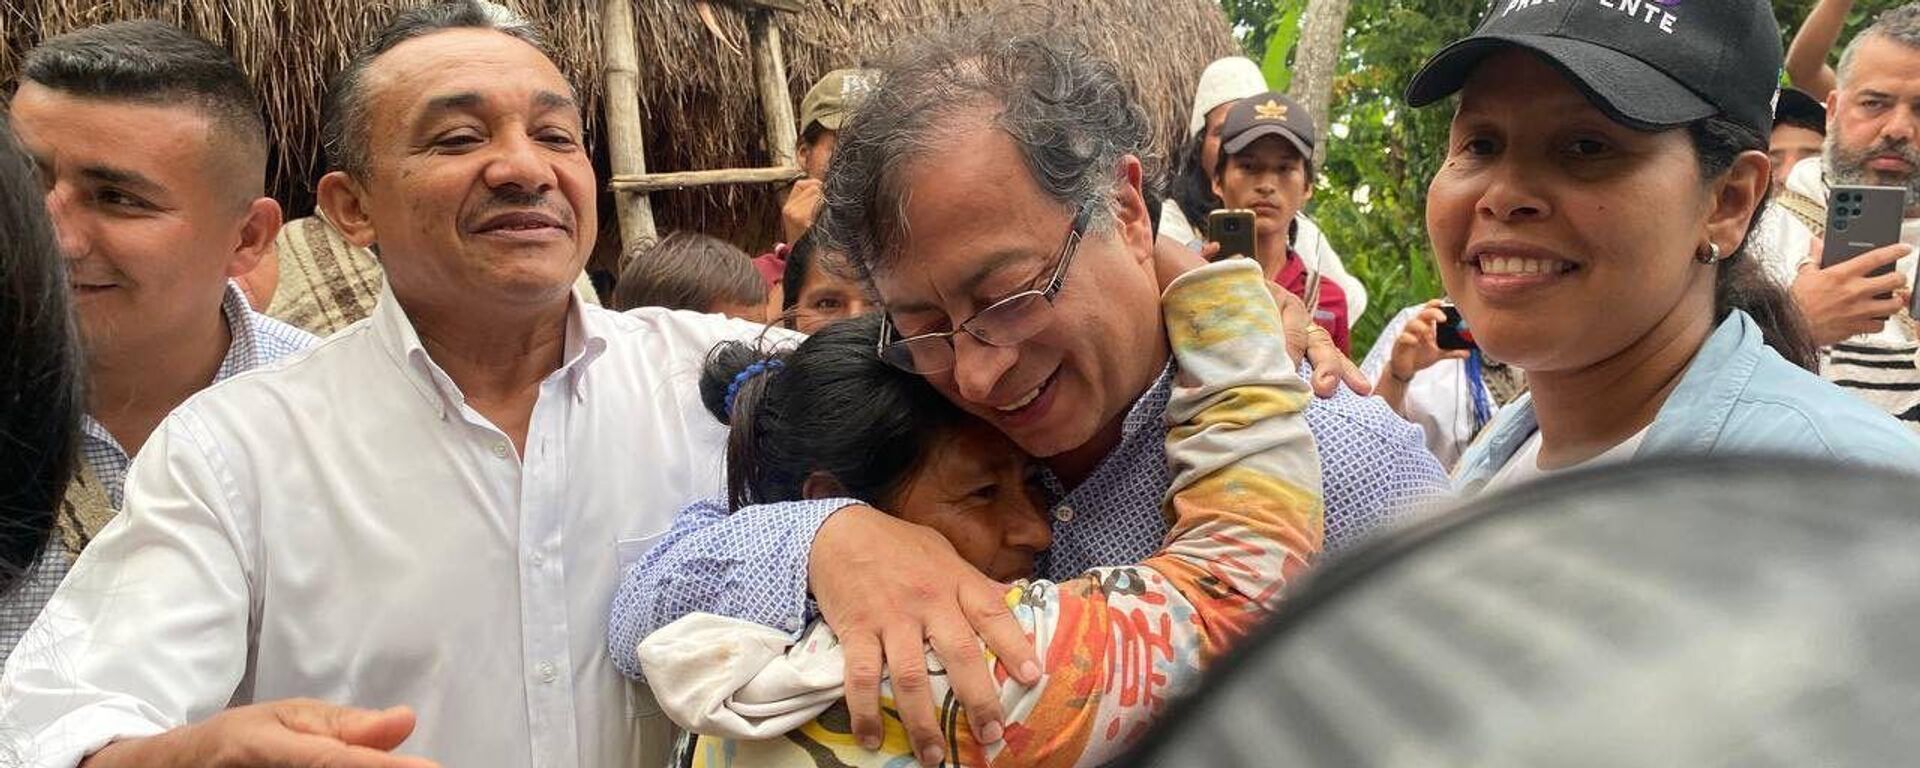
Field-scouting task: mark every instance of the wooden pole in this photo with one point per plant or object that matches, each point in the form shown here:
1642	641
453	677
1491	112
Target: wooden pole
626	138
655	182
1323	32
770	77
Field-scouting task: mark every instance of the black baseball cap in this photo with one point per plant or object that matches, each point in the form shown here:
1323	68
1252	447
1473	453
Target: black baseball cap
1268	114
1797	107
1648	64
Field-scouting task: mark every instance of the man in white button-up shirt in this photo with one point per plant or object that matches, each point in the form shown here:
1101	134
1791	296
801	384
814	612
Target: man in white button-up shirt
428	510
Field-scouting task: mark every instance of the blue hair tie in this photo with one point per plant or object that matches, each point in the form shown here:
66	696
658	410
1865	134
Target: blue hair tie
741	378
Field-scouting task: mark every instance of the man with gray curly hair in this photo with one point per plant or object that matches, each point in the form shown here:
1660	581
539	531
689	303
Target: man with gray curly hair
993	190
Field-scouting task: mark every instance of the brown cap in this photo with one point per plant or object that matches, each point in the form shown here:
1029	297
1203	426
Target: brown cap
1267	114
829	101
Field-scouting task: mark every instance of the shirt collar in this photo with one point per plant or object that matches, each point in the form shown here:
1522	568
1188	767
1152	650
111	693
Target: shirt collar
1143	422
586	341
1693	416
243	352
1689	421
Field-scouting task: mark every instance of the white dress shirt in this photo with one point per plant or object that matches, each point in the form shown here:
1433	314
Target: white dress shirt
342	526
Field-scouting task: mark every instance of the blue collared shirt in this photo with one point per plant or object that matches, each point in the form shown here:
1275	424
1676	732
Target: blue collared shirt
1738	397
752	564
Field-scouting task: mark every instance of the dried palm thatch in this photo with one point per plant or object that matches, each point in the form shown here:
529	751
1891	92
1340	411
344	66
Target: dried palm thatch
697	93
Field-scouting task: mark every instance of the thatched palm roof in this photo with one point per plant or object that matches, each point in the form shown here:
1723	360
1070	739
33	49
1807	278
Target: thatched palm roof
697	90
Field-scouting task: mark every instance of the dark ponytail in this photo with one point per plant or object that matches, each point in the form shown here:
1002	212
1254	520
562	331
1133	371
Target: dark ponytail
829	406
40	369
1742	283
733	382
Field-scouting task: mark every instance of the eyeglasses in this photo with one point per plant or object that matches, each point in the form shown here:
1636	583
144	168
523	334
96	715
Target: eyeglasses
1004	323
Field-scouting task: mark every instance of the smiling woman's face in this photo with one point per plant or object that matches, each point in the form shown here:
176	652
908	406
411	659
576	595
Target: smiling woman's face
1562	235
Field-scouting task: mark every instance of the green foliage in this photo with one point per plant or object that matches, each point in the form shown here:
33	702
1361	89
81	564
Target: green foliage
1252	22
1371	197
1283	33
1791	12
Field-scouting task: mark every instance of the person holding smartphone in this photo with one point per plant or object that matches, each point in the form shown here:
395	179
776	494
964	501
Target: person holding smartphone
1858	308
1266	166
1603	174
1428	369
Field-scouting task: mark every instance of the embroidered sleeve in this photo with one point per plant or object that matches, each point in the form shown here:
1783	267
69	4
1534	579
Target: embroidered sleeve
1247	519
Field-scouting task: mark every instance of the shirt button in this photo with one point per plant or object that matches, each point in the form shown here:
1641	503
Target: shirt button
547	673
537	559
500	450
1063	514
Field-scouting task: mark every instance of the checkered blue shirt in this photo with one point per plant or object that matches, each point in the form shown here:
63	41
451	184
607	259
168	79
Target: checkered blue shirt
752	564
257	340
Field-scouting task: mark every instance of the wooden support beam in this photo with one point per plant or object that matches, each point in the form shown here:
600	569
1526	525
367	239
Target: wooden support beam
640	184
770	79
783	6
626	138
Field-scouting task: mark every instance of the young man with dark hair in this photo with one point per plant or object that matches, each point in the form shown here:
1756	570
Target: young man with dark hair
1799	130
1266	166
152	149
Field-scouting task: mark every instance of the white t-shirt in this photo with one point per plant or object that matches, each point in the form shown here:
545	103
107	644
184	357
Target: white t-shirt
1525	464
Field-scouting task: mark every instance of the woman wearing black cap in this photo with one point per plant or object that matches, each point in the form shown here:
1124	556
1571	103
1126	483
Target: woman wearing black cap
1606	163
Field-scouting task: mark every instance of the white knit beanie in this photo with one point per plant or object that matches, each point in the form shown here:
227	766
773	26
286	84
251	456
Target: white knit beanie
1230	79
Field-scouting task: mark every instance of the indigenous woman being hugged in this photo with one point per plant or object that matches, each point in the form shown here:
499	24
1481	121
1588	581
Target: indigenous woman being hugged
831	418
1603	174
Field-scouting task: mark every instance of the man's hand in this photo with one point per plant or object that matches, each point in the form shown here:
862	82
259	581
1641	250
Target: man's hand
1330	366
293	733
1304	339
803	204
1839	301
887	588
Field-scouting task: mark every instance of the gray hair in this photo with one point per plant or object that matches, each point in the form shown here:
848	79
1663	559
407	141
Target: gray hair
1066	109
1901	25
346	127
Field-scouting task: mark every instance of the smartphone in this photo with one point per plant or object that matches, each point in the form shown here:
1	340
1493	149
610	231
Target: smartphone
1453	333
1860	219
1913	300
1233	230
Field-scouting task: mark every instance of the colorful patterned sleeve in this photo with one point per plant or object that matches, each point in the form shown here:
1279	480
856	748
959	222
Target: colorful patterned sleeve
1115	643
1247	519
